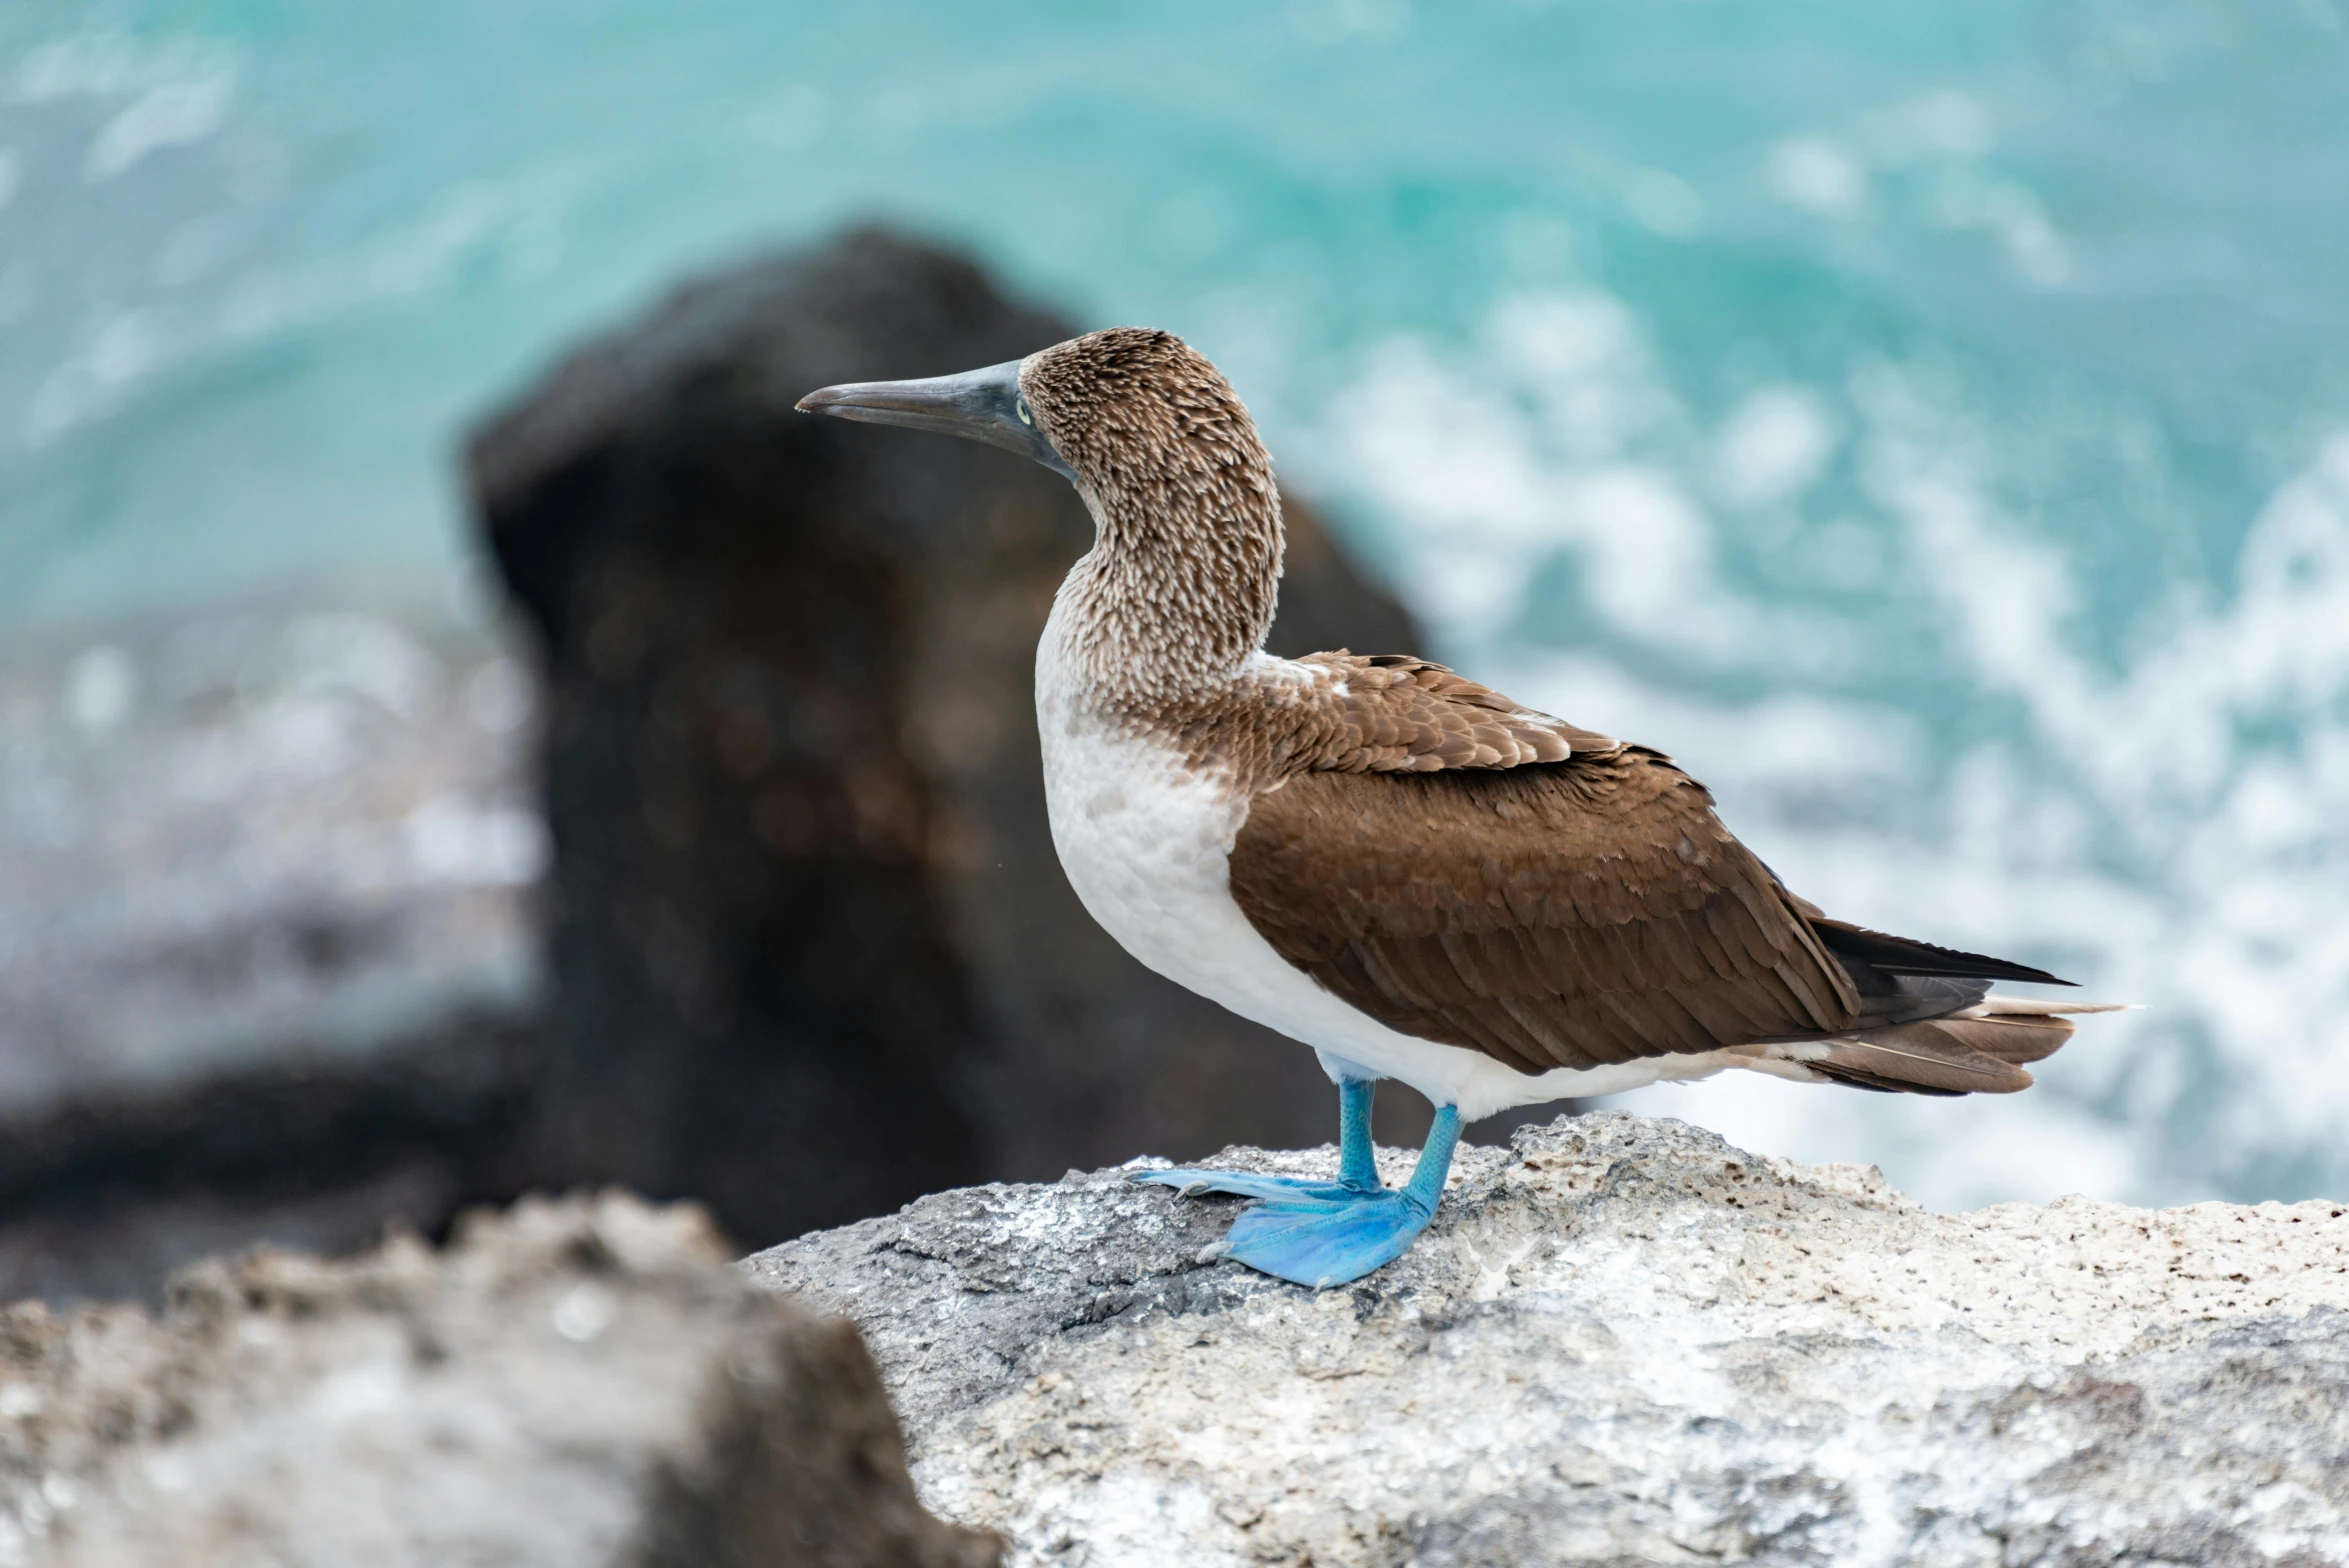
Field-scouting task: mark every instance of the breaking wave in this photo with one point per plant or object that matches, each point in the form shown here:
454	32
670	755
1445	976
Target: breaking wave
1825	600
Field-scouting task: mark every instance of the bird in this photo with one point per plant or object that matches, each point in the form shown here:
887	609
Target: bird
1412	874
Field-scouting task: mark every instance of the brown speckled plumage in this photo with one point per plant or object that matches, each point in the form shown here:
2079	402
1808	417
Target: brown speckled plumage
1460	868
1178	591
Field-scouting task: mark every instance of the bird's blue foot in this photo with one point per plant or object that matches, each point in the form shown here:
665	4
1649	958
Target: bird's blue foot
1323	1233
1325	1241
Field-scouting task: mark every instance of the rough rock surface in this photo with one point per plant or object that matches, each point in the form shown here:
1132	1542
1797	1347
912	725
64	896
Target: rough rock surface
571	1384
1623	1341
813	954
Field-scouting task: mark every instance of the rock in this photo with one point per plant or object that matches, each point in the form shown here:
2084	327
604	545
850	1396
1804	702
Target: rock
812	951
1622	1341
574	1384
268	952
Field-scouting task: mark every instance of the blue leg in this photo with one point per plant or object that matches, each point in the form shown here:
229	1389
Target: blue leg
1357	1156
1329	1233
1357	1162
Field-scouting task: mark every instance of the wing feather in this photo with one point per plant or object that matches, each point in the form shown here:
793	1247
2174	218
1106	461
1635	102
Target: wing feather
1608	917
1470	872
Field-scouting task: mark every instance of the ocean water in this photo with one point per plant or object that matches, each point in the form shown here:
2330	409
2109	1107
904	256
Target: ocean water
1930	423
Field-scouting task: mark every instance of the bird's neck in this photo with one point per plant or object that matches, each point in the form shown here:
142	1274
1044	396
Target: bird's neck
1175	597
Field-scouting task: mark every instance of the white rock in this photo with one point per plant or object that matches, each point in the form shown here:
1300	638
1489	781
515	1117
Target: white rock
570	1384
1622	1341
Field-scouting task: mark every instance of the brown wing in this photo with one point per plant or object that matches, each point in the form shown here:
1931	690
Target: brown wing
1393	713
1564	914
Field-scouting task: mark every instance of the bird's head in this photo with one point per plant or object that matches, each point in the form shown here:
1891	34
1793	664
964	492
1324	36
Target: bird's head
1179	589
1130	414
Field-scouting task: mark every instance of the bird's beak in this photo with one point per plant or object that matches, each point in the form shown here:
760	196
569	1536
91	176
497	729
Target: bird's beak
979	405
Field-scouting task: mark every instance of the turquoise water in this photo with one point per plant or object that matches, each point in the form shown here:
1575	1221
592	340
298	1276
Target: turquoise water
1930	422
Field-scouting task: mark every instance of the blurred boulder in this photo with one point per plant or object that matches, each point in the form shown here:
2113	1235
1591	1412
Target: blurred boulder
812	953
268	942
579	1383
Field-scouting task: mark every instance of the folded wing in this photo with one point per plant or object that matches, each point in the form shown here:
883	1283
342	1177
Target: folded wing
1588	909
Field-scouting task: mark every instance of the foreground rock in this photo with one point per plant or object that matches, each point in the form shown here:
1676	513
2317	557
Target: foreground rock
1623	1341
570	1384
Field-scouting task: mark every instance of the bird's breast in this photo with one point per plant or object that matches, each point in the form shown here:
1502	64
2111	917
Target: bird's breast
1145	837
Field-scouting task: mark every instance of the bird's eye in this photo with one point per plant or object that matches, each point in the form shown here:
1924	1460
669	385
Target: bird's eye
1019	406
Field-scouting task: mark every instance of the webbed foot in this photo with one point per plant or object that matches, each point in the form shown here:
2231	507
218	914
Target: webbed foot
1324	1241
1324	1233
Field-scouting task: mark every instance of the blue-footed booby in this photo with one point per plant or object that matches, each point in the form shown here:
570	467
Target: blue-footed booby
1408	872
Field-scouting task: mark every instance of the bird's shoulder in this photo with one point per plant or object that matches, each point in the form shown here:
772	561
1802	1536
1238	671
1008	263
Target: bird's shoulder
1344	712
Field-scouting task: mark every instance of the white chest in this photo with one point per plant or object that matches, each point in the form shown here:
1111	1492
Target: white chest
1146	841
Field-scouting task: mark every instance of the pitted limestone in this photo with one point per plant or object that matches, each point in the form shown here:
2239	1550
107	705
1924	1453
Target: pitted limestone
1622	1341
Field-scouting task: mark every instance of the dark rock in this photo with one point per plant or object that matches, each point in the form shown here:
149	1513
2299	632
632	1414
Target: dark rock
812	952
579	1383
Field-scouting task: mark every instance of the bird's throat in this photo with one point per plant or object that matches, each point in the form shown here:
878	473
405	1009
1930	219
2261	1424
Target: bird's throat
1172	601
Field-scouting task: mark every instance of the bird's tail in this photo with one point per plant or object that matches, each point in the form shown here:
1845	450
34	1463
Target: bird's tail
1979	1050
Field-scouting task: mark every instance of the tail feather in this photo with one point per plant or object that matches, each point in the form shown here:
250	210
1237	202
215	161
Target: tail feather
1977	1051
2023	1028
1936	1056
